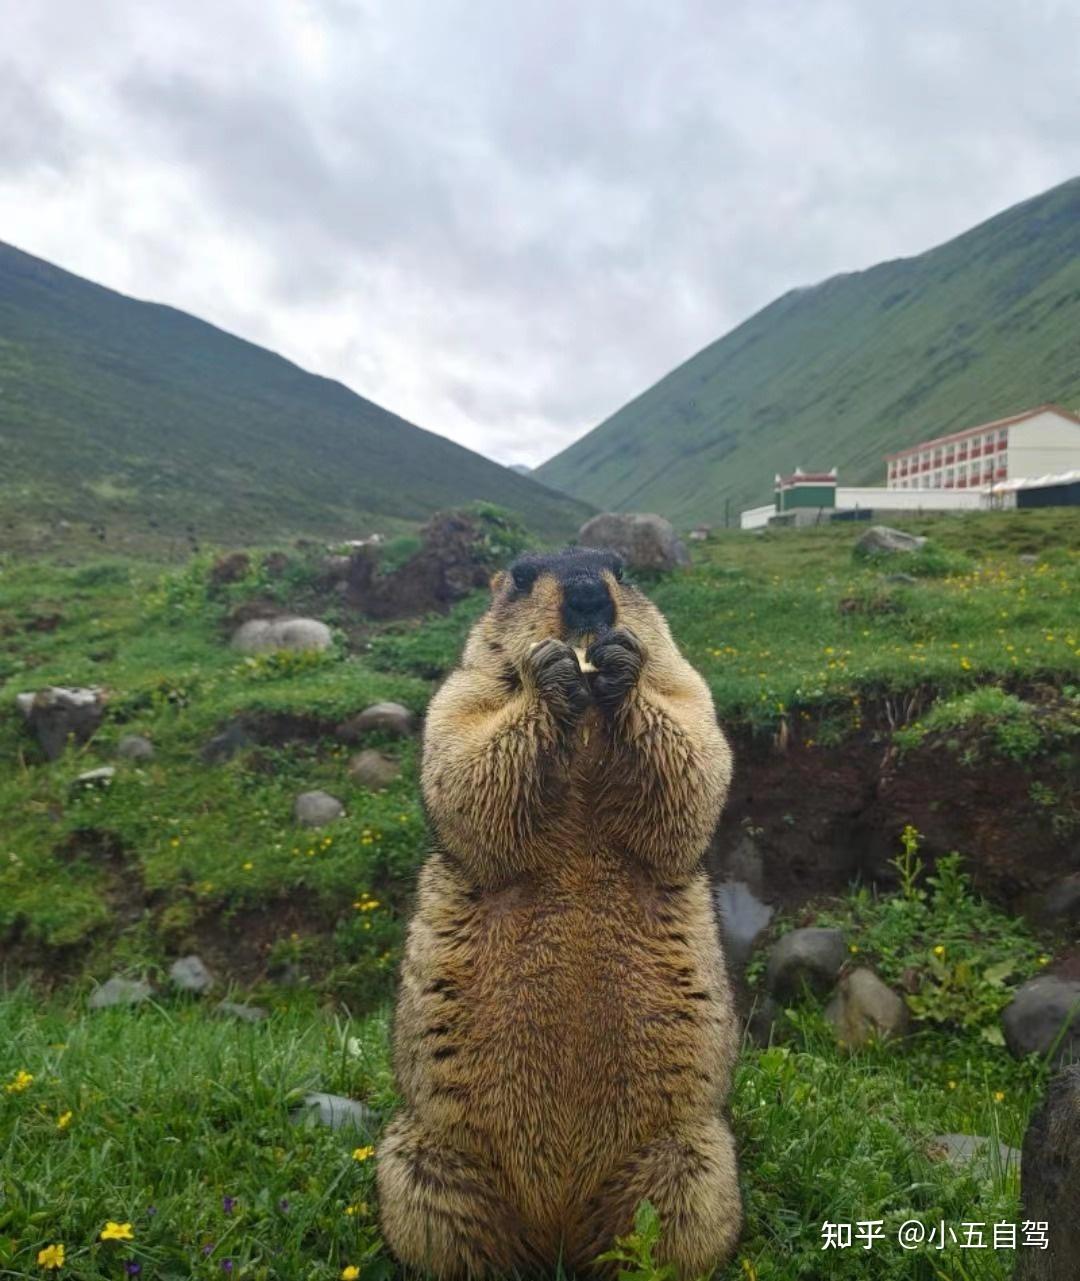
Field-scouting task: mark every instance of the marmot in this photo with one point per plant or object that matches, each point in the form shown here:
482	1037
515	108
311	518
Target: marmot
565	1034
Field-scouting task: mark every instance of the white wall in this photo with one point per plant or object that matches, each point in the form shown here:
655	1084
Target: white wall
881	499
1043	446
756	517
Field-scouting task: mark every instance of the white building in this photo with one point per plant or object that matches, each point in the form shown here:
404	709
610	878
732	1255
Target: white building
1037	442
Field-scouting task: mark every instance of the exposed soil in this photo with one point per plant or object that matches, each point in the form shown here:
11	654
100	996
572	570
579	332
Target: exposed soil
822	817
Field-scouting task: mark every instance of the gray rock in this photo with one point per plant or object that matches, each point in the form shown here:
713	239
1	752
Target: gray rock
134	747
902	580
120	991
765	1024
373	770
643	539
94	778
1028	558
56	714
880	538
813	957
237	1010
863	1009
265	635
224	746
385	718
742	916
1050	1182
316	809
1044	1013
335	1111
964	1150
1060	904
189	974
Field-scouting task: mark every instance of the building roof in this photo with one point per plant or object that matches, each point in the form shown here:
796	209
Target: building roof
800	477
1036	482
1049	407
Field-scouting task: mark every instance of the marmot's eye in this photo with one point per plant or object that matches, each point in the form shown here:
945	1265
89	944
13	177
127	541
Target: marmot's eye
524	576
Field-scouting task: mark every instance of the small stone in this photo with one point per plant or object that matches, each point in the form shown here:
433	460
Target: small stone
765	1023
57	713
1060	904
863	1009
881	538
120	991
1028	558
373	770
743	916
135	747
237	1010
1044	1013
189	974
316	809
94	778
813	957
1050	1181
385	718
264	635
335	1111
963	1150
224	746
902	580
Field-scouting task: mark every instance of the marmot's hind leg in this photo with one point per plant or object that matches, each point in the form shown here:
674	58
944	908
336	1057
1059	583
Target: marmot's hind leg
440	1214
690	1179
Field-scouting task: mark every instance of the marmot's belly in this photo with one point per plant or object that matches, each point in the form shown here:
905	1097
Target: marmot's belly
594	1018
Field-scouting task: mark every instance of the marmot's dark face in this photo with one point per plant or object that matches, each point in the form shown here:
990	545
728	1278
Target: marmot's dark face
574	596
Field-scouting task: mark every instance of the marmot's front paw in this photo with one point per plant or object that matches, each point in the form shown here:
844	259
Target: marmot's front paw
553	668
617	657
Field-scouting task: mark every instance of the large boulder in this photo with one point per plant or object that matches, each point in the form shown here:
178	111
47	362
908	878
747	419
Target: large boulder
189	974
974	1150
810	958
120	991
1050	1182
265	635
863	1009
643	539
1044	1016
880	538
336	1112
57	714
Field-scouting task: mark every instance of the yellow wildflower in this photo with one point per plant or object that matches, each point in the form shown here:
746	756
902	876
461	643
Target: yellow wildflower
362	1154
22	1080
117	1232
248	865
51	1258
360	1207
63	1120
350	1273
999	1096
939	950
952	1085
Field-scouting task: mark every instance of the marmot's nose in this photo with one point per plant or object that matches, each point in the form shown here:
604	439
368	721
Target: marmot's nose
587	605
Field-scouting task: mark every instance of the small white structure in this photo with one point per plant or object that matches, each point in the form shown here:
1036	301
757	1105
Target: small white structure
1042	440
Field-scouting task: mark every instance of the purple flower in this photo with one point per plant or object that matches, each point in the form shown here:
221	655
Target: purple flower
208	1248
283	1205
228	1204
226	1265
151	1210
132	1267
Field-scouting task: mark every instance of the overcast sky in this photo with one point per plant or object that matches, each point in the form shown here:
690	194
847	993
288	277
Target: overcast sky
504	219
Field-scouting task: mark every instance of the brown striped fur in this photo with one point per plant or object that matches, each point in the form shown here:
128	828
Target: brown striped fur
564	1037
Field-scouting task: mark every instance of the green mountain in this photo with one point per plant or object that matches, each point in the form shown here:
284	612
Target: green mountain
141	417
846	371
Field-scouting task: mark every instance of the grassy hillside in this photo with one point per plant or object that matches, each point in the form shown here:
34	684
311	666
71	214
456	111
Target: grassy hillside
179	1124
844	372
144	419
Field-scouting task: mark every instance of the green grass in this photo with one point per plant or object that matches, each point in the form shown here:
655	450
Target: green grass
174	1110
144	427
846	371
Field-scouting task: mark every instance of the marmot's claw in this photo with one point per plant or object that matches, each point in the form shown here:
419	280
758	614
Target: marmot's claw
554	668
617	657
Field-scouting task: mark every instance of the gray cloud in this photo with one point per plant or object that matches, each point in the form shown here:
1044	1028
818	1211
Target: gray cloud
503	221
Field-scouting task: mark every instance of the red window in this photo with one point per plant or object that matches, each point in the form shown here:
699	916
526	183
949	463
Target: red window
976	450
1001	444
1001	471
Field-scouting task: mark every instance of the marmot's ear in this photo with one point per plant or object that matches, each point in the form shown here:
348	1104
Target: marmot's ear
499	582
